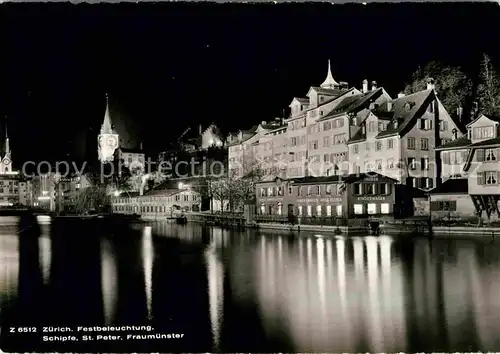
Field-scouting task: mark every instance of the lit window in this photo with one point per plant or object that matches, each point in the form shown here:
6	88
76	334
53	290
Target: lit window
262	209
372	208
300	210
491	177
339	210
328	210
490	155
384	208
309	210
358	209
280	209
318	210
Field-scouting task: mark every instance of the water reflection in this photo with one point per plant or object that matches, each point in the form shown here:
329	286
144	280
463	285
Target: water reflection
215	274
147	258
268	291
109	281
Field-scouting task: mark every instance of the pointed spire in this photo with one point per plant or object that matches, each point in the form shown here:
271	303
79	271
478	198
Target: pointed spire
7	145
106	127
329	81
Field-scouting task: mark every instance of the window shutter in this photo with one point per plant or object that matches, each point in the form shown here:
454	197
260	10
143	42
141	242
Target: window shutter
480	178
430	124
480	155
446	158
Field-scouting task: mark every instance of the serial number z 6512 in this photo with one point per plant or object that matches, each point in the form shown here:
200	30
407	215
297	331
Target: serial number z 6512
22	329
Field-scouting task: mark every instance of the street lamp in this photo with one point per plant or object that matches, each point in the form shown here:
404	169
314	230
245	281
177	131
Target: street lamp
180	185
117	193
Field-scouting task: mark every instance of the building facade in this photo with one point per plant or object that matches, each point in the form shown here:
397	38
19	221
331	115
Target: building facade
474	157
398	139
157	204
351	196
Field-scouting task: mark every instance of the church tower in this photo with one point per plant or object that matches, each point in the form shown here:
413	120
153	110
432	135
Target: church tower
6	165
107	140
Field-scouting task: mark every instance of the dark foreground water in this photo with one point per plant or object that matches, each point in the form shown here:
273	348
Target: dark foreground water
246	291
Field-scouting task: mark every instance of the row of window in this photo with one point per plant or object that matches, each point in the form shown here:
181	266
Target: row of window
177	198
448	205
487	132
143	209
485	155
328	189
378	165
454	157
359	209
333	124
297	140
297	124
488	177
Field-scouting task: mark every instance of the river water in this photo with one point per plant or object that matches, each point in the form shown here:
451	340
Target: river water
249	291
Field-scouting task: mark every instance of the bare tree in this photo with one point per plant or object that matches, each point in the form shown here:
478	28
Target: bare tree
488	89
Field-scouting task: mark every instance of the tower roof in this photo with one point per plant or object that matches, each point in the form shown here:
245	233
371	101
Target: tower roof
106	127
329	81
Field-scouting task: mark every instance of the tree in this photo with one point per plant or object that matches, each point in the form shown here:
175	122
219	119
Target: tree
453	86
488	88
103	181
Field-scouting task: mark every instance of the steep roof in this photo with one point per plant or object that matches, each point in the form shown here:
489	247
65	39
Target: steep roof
418	103
493	118
353	104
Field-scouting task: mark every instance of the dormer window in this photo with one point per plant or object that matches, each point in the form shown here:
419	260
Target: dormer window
484	132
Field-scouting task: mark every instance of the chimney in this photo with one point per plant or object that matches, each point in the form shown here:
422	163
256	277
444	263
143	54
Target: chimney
140	146
430	84
395	123
374	85
401	94
365	85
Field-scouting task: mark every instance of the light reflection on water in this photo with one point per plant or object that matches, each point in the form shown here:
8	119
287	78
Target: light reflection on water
322	294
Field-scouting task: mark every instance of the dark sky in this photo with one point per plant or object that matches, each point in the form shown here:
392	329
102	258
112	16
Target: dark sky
168	66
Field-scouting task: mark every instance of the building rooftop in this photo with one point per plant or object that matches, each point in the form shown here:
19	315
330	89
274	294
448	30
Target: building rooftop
489	142
457	143
354	103
406	110
452	186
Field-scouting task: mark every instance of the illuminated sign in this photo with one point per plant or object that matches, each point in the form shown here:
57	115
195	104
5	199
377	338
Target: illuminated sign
319	200
371	198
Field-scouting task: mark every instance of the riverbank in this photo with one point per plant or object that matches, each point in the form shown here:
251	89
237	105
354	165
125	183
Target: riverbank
407	227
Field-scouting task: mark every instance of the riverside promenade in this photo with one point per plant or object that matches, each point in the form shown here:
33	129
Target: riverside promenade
419	227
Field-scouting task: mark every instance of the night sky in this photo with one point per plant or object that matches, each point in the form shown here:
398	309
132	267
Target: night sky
169	66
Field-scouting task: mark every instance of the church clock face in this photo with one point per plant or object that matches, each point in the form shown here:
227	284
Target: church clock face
6	161
111	142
